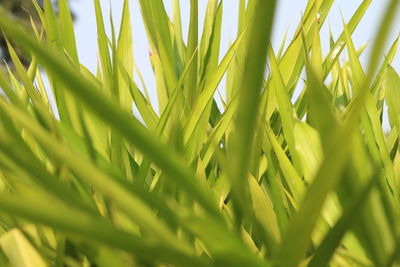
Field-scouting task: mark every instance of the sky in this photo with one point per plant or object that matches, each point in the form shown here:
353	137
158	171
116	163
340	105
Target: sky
287	18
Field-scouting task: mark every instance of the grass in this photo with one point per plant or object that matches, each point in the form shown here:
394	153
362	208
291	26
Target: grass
262	181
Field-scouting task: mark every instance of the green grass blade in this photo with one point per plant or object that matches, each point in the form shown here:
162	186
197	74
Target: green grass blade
67	30
125	57
249	94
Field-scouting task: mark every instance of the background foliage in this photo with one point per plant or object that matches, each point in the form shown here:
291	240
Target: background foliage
270	179
24	10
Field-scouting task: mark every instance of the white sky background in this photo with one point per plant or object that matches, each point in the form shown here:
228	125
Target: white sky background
287	18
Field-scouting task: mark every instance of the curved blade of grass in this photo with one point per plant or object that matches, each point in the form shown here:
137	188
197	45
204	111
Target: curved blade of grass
191	80
125	56
263	209
293	179
286	111
144	107
23	76
104	54
8	90
178	29
309	149
210	41
319	112
377	85
392	80
219	131
61	35
157	24
67	30
249	94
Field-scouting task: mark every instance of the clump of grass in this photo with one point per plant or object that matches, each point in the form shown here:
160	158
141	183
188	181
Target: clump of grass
264	181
